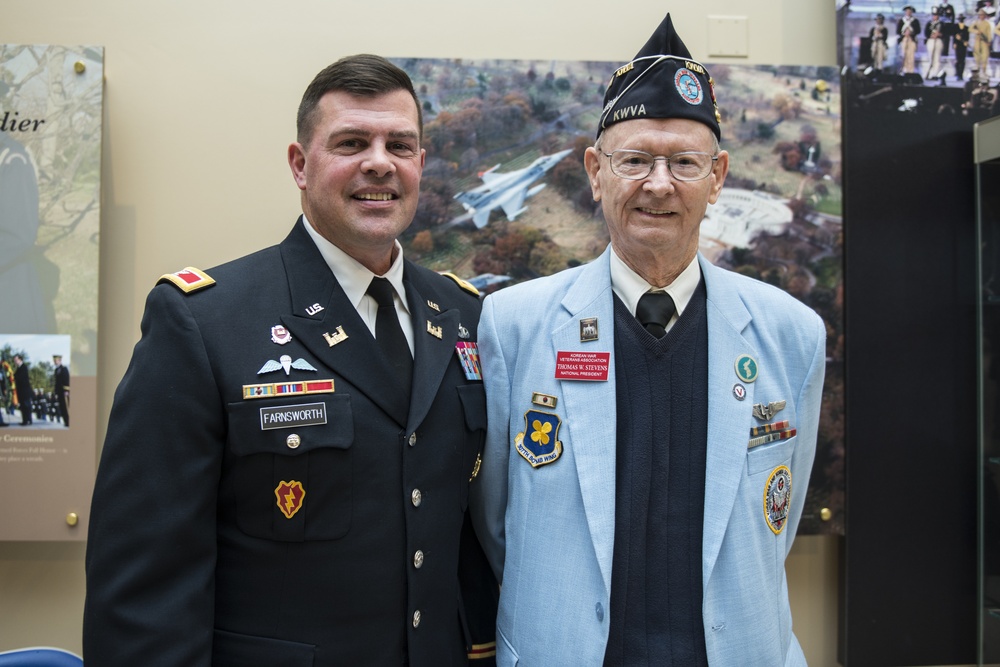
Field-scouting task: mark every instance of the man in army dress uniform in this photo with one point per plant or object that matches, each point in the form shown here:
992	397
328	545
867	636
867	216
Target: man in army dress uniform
274	488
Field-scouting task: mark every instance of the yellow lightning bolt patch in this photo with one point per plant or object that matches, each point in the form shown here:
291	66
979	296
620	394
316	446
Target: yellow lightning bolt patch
289	497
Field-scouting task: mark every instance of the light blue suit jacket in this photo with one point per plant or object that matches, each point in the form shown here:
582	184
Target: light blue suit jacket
549	530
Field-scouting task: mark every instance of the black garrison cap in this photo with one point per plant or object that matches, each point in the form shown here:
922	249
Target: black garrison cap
662	81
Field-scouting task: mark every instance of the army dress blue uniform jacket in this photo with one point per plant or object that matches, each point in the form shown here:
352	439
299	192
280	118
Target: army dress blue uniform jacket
551	528
217	541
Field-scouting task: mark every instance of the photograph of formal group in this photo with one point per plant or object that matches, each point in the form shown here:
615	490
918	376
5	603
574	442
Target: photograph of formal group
921	57
34	381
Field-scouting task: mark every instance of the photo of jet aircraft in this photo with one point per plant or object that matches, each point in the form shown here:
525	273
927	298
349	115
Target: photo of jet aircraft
507	190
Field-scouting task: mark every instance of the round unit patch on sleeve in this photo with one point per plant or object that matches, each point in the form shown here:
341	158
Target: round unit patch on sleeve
778	498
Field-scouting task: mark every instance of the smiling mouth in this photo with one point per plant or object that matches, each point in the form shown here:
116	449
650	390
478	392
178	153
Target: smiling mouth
376	196
654	211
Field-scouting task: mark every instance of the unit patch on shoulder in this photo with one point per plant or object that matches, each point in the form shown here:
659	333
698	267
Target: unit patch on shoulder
188	280
464	284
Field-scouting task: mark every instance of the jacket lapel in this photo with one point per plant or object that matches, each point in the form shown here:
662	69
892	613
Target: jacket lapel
432	352
590	406
727	417
328	325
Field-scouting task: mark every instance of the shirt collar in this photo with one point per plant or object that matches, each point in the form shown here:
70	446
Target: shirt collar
629	285
353	276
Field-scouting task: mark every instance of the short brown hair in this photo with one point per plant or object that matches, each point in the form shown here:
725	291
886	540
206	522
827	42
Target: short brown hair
365	75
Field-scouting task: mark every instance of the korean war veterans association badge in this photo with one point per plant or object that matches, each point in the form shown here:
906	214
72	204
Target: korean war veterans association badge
539	444
777	498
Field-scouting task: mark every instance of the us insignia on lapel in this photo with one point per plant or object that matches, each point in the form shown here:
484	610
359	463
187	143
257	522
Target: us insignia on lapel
778	498
290	496
541	446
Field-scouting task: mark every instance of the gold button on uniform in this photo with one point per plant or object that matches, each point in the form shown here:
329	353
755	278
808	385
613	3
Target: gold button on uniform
416	619
418	559
416	497
293	441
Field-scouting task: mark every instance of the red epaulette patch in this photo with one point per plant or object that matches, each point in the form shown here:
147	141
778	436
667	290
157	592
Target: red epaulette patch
188	280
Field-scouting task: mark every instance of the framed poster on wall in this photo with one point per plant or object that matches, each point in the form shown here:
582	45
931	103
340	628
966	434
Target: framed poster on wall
51	100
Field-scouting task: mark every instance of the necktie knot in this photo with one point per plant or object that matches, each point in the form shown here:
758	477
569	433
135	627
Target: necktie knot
654	311
381	290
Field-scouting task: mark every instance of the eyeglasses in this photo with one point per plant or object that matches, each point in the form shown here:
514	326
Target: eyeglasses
637	165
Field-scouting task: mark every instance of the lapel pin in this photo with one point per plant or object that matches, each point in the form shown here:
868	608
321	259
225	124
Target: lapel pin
544	400
337	336
280	334
285	363
746	368
767	412
462	331
433	306
588	329
313	309
739	391
437	332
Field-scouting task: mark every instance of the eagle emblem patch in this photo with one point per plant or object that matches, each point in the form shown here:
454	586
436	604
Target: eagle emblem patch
778	498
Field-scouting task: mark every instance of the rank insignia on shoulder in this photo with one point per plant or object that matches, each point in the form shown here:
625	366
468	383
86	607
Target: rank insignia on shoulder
464	284
778	498
541	446
188	280
290	496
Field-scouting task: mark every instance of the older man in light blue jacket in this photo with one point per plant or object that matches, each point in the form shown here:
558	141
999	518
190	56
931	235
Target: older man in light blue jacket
652	418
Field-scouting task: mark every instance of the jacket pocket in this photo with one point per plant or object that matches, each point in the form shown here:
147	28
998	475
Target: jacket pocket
766	458
231	649
292	477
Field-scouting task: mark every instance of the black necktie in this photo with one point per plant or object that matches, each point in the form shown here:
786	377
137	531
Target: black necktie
653	311
389	335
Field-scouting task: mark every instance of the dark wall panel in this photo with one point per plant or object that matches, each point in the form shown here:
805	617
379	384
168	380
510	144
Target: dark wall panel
909	559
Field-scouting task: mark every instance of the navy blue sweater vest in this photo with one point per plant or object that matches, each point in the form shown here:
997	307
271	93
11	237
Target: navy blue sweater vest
662	403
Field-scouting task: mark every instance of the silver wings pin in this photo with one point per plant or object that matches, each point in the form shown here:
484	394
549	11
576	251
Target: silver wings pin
767	412
286	364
